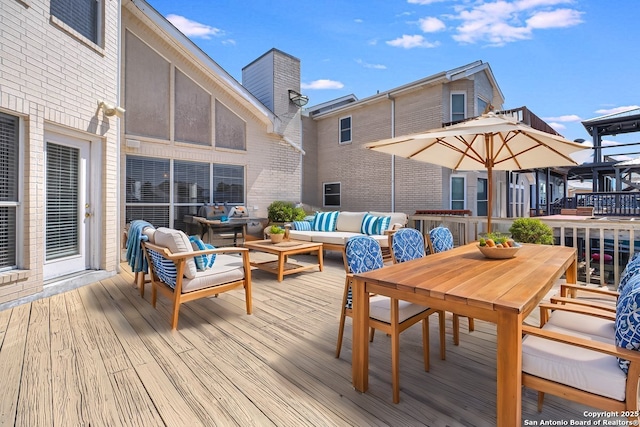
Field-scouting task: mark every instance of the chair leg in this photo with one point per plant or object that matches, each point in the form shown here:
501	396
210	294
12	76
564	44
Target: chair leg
540	400
174	315
372	331
140	282
443	341
456	329
340	332
425	342
154	295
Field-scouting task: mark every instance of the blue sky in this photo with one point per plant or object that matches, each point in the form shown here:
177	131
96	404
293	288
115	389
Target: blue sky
566	60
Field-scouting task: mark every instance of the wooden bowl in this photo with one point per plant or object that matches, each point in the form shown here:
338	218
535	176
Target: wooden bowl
499	253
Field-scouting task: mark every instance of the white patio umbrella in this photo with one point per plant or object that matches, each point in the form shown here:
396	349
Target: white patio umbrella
491	142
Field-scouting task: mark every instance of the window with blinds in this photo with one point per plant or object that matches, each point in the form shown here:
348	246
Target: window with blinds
81	15
228	184
63	222
9	164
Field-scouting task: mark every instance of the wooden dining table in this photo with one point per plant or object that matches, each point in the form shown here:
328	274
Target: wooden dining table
463	281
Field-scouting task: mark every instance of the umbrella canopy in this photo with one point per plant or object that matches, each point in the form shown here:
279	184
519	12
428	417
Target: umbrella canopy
491	142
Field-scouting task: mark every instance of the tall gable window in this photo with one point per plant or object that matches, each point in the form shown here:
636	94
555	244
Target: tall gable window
83	16
345	130
146	83
192	111
9	172
230	129
458	106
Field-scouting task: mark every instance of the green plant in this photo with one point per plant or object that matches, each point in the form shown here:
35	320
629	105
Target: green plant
279	211
531	230
276	230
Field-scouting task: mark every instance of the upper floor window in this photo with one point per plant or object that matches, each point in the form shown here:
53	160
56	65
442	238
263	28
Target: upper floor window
9	189
231	130
458	106
83	16
331	194
345	130
482	106
458	192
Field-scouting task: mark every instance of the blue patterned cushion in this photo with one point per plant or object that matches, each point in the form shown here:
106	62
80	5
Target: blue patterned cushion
441	239
382	224
203	262
302	225
630	270
368	224
628	320
363	254
325	221
165	269
407	244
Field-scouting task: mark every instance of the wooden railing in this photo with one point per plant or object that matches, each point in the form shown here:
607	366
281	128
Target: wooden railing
619	203
604	245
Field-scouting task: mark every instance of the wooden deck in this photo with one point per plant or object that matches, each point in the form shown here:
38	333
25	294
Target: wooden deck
102	356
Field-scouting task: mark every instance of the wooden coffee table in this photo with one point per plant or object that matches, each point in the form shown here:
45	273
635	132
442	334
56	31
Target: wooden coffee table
281	266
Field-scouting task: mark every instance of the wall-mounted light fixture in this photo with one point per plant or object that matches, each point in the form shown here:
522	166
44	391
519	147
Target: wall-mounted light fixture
111	110
297	98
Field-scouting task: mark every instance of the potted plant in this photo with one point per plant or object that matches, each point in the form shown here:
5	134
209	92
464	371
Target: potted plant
276	234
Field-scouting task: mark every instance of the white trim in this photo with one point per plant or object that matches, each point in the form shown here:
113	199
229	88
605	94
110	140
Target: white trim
297	147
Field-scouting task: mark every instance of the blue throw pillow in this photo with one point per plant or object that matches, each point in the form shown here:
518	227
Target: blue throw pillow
203	262
628	320
382	224
302	225
325	221
369	224
630	270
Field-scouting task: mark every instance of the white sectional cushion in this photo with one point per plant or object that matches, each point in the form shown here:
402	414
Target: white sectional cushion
177	241
349	221
584	324
227	268
580	368
335	238
304	236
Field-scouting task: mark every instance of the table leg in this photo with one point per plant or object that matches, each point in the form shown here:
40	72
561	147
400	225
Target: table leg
509	367
360	344
320	259
282	260
571	275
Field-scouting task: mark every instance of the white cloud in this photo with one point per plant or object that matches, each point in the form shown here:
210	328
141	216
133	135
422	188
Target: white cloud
499	22
564	119
192	28
229	42
373	66
424	2
617	109
358	21
409	42
556	126
322	84
559	18
431	24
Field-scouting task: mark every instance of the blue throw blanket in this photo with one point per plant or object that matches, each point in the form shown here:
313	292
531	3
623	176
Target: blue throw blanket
135	255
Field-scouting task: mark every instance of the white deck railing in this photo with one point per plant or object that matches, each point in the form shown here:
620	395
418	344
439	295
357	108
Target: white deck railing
612	239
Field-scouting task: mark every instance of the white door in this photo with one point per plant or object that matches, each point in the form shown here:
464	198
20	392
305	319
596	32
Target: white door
68	206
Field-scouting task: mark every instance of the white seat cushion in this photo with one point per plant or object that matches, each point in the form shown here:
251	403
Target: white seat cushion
227	268
380	309
584	324
583	369
176	241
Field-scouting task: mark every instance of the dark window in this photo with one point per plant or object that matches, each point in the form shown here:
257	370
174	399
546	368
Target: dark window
332	194
345	130
228	184
457	107
482	197
9	172
81	15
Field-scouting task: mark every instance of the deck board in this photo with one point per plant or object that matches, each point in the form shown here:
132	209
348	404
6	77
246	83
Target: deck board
101	355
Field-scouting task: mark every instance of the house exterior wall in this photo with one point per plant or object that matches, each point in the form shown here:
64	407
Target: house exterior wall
272	166
52	78
367	177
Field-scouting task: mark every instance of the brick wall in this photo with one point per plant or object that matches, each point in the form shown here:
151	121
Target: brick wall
52	78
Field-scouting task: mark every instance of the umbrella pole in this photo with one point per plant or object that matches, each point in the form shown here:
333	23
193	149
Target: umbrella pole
490	200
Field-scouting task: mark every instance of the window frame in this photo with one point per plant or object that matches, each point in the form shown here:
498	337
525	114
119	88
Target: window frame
97	45
324	194
478	200
464	104
350	129
464	190
17	204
